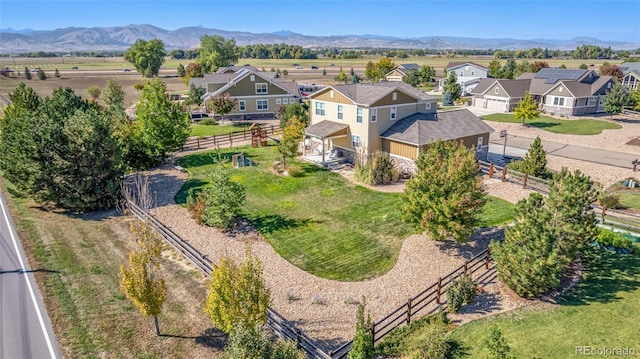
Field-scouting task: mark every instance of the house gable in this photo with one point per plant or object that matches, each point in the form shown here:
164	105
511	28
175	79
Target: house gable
560	89
246	86
329	94
400	98
496	90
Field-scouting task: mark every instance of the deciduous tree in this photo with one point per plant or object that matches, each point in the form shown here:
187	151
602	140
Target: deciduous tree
444	197
238	294
611	70
216	51
146	56
222	104
617	98
113	95
297	110
292	134
141	281
527	109
94	92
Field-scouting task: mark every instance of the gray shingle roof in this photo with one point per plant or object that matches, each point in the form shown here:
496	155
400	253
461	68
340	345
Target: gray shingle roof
410	66
513	88
368	93
482	86
421	129
628	67
452	65
324	129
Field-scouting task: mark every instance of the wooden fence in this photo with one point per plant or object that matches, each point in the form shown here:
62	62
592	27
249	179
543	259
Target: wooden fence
228	140
276	322
614	217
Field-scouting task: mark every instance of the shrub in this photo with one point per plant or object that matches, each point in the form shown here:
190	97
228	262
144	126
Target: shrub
497	345
196	206
431	343
295	171
400	342
222	201
208	122
613	239
362	347
461	291
377	169
248	343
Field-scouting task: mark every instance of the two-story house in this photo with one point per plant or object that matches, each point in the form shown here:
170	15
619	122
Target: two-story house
258	93
631	75
468	74
393	117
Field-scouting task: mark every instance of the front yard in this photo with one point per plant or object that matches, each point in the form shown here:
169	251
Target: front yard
569	127
321	222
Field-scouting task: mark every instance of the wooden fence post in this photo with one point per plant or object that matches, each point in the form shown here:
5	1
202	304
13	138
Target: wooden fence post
373	333
524	183
298	332
504	174
214	140
487	258
466	264
198	142
439	290
409	311
244	133
491	169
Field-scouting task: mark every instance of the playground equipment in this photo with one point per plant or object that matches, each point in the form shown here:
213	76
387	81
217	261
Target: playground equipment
258	135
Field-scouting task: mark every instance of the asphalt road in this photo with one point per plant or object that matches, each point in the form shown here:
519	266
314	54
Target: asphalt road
25	328
517	144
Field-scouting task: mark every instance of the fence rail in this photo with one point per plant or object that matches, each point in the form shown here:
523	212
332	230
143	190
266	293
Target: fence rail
627	112
276	322
237	137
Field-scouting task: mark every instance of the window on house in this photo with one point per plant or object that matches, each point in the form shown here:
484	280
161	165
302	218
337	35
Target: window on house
286	101
278	101
561	103
355	141
242	105
261	88
497	90
320	108
560	89
394	96
253	77
393	112
359	115
428	106
473	73
262	104
340	112
330	93
558	101
461	73
374	114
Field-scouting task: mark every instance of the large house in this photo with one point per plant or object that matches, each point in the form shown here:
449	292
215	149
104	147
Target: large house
631	75
400	71
393	117
258	93
557	91
468	74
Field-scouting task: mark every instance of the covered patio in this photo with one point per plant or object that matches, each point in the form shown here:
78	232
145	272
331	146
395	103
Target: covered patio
318	143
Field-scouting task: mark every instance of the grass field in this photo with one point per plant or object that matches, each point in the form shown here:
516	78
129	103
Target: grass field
210	130
629	197
76	260
601	311
569	127
320	222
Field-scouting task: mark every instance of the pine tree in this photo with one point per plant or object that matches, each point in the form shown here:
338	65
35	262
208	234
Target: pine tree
362	346
535	161
27	73
444	197
452	86
222	200
495	68
142	282
237	294
56	74
447	99
497	345
527	109
42	75
527	260
180	70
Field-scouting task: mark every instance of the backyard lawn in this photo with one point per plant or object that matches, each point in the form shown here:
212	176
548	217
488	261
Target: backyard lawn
629	197
210	130
601	311
321	222
569	127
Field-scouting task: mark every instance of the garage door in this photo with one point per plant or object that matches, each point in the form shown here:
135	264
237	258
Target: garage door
496	105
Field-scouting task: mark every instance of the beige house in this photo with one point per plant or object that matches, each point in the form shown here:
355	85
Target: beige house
258	93
393	117
499	94
400	71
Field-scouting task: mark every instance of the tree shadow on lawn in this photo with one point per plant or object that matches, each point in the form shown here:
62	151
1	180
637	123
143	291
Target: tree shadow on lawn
212	338
542	125
208	157
607	274
270	223
181	196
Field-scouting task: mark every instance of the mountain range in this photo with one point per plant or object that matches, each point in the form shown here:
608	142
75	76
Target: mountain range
122	37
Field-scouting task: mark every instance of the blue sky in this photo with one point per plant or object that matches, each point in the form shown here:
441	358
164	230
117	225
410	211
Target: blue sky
605	20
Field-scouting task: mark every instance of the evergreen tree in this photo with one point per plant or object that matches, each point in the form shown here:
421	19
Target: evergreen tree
27	73
527	260
527	109
42	75
444	197
535	161
237	294
56	74
195	95
180	70
452	86
497	345
222	200
362	346
495	68
113	95
509	69
617	98
324	72
447	99
142	282
412	77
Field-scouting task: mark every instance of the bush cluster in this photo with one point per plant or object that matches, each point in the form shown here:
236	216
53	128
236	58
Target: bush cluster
461	291
613	239
208	122
432	340
377	169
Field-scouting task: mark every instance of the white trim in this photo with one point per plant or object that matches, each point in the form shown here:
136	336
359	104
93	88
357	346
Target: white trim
262	85
374	115
278	101
241	104
340	112
393	113
262	109
361	115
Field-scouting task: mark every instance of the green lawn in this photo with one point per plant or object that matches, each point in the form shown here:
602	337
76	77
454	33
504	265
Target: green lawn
601	311
320	222
210	130
629	197
569	127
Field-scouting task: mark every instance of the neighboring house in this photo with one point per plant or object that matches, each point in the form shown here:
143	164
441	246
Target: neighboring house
258	93
400	71
557	91
393	117
468	73
501	95
631	72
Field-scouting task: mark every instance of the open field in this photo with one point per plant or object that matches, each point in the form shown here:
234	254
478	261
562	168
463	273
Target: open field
76	260
320	222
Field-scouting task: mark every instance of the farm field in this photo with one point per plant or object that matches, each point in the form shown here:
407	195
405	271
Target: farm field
76	260
320	222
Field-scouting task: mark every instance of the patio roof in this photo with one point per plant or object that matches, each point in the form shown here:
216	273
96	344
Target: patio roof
325	129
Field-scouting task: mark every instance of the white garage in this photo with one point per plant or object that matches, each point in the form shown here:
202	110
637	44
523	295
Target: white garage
497	105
